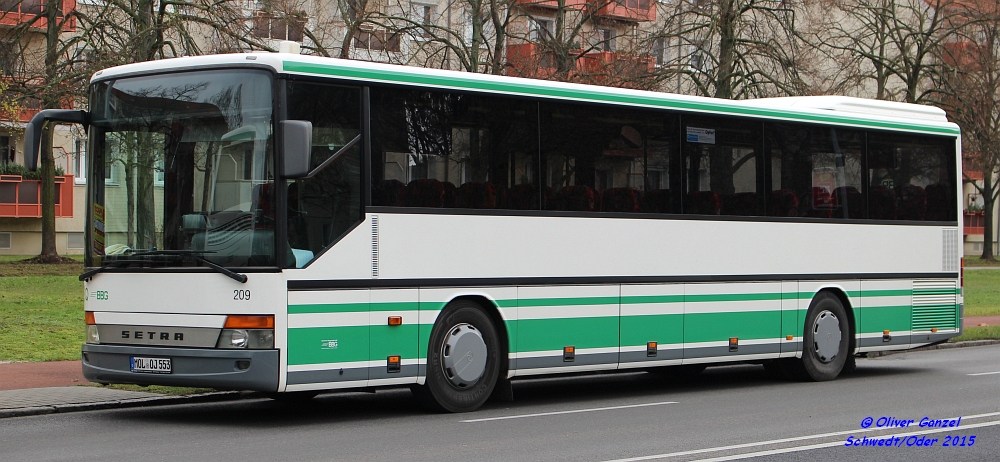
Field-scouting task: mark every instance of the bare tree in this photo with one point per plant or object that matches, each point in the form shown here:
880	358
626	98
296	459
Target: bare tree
969	89
886	49
733	49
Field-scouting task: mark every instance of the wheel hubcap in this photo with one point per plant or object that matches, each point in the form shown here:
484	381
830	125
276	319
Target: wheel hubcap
464	355
826	336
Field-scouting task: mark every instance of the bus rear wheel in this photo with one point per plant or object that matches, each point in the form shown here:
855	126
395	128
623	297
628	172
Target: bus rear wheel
826	339
462	359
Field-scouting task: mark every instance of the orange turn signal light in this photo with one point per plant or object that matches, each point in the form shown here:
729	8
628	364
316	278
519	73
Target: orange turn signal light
394	359
933	329
395	320
569	349
249	322
885	332
88	318
789	337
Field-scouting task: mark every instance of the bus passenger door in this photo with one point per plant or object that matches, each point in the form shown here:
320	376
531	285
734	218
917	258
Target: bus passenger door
394	328
327	339
652	325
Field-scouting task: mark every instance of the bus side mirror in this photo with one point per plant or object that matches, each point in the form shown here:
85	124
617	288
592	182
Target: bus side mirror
296	143
33	131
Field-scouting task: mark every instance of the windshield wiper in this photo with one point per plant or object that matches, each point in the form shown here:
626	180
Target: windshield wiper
196	254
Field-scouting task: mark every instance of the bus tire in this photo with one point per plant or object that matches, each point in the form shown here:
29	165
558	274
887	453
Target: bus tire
459	377
826	338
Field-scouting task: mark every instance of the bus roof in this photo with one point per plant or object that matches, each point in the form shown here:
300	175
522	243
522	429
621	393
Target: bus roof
841	110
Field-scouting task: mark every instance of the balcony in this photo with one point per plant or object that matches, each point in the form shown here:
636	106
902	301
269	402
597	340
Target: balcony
975	223
598	68
628	10
20	198
530	60
17	12
623	10
620	65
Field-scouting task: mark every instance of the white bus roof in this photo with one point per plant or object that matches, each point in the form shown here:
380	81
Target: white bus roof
841	110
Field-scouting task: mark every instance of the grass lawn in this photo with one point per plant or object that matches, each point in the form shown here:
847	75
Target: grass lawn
41	317
978	333
973	261
982	292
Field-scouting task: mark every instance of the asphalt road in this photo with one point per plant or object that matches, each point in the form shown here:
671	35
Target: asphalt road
725	413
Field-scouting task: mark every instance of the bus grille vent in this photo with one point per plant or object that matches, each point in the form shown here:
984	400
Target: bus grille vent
374	246
950	251
935	305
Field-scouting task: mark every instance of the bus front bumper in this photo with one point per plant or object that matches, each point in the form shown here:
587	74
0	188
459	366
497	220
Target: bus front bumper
203	368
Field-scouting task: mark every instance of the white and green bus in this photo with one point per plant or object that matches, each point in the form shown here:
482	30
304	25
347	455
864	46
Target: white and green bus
295	224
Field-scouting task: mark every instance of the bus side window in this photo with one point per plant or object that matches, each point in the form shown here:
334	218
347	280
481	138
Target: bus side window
324	207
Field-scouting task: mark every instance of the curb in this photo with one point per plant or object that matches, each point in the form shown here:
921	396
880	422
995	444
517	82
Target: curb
130	403
941	346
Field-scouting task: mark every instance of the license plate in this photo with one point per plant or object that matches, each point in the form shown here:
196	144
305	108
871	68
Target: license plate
150	365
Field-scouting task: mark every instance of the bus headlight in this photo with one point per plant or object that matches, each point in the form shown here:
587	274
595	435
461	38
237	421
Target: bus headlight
92	335
246	338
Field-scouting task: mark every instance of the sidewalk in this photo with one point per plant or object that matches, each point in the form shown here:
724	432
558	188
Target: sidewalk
59	386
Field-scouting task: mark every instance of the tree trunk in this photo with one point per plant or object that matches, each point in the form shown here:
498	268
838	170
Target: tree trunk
989	201
48	253
50	100
727	50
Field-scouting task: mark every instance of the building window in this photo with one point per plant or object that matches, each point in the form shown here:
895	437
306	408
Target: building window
5	241
80	161
542	30
376	40
74	241
7	150
658	48
269	26
607	40
424	16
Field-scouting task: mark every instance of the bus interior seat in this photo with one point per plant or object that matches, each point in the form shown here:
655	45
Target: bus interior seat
850	197
783	203
476	195
655	201
703	203
912	203
744	203
620	200
425	193
882	204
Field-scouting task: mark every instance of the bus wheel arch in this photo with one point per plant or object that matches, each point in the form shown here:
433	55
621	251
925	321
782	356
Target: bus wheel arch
464	357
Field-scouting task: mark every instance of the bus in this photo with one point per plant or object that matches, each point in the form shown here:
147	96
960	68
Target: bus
295	224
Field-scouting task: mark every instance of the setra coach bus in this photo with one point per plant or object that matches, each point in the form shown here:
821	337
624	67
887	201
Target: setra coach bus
294	224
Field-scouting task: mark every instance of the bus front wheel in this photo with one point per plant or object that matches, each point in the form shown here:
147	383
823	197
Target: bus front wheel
462	359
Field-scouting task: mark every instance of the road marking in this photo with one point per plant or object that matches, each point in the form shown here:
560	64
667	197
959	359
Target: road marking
985	373
575	411
841	443
785	440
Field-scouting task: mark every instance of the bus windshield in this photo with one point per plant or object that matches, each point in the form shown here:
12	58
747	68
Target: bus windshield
182	169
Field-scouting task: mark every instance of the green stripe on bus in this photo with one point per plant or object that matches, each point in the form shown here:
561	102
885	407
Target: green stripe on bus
554	334
352	307
662	328
594	94
715	327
